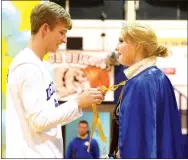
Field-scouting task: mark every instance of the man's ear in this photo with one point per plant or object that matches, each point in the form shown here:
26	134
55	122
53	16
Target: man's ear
44	29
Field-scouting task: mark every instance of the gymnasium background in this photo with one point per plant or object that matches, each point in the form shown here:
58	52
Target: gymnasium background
99	33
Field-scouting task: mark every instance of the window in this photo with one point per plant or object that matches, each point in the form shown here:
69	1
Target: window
162	10
92	9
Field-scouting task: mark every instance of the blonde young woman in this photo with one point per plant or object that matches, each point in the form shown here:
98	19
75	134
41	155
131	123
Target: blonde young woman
149	121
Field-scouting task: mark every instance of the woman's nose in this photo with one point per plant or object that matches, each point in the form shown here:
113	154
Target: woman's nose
117	48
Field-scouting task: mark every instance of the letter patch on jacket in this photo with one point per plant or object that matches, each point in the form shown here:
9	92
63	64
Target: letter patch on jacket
56	103
50	91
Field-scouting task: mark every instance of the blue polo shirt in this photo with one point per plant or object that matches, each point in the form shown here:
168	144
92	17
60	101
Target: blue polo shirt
78	149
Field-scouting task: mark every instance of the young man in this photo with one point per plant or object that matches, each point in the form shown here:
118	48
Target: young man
78	146
34	117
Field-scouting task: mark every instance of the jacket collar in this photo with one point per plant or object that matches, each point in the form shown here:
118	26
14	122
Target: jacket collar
140	66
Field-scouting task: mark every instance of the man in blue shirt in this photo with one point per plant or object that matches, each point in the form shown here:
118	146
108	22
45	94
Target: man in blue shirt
78	146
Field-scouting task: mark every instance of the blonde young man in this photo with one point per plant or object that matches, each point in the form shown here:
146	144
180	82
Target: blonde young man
34	117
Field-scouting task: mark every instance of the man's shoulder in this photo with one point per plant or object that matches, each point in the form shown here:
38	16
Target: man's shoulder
73	142
24	72
74	139
94	141
20	59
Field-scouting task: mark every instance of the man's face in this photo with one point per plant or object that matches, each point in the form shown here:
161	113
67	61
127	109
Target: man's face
55	37
82	129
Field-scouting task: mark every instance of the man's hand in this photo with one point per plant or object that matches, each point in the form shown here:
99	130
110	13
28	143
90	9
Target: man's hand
89	97
102	91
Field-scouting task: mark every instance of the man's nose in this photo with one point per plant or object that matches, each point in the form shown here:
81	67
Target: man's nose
64	40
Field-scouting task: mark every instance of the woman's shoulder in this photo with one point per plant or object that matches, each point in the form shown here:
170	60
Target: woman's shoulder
151	75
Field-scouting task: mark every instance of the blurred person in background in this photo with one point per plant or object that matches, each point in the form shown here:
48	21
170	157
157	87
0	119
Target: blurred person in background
148	116
77	148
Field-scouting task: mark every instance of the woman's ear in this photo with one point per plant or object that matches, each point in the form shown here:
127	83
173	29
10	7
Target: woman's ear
139	47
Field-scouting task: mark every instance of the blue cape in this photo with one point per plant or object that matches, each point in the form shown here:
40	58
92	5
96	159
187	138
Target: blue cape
149	120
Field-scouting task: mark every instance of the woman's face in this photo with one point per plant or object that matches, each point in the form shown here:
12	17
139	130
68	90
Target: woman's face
126	52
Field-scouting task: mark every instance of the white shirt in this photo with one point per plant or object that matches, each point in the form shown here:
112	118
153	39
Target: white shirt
33	115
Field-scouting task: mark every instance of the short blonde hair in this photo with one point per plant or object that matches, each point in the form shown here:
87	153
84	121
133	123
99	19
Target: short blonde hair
50	13
143	34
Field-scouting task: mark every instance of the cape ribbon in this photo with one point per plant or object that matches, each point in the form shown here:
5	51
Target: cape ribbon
96	119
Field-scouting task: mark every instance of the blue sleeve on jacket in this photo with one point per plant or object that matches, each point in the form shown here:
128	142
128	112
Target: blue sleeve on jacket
137	121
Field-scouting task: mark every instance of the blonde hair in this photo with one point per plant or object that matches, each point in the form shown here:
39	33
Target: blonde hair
143	34
50	13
